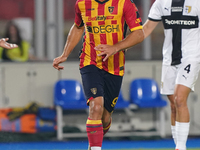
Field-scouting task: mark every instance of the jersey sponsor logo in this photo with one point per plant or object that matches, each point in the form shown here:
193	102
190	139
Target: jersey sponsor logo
100	18
177	9
103	29
180	22
188	9
90	9
111	9
186	22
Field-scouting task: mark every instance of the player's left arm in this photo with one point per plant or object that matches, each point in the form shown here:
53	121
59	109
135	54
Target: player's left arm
7	45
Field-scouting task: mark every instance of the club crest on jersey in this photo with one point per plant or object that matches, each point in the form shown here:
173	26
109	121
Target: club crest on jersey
111	9
188	9
94	91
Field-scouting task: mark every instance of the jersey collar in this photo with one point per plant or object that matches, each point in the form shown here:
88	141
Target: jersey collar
101	1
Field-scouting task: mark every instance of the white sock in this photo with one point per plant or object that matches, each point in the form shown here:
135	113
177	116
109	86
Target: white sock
95	148
173	129
182	131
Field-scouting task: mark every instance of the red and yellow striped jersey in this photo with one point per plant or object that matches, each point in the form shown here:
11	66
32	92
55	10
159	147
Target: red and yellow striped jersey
104	22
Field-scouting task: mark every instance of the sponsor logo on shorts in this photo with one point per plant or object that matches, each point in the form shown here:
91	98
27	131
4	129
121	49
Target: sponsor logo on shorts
184	77
114	102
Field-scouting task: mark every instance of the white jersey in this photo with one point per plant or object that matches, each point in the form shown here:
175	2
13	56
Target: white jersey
181	28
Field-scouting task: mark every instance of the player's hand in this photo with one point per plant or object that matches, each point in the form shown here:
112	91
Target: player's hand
6	45
107	50
57	61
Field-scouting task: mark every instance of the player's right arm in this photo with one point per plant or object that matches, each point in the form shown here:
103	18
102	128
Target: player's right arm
148	27
73	38
154	17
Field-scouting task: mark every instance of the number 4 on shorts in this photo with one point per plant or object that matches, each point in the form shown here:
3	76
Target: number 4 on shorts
187	68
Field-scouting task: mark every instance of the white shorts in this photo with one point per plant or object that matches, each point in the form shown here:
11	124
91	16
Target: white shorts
185	74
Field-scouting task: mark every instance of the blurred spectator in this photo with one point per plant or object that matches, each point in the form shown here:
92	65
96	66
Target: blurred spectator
21	53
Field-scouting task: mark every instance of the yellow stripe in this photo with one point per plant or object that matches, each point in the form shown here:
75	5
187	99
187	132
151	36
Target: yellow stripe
120	10
136	28
96	36
121	54
109	37
93	122
107	127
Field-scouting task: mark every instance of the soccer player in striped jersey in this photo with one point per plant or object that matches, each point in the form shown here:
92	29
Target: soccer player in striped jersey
102	56
7	45
181	58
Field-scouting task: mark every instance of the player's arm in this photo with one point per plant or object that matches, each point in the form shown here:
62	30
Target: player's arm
7	45
132	39
148	27
73	38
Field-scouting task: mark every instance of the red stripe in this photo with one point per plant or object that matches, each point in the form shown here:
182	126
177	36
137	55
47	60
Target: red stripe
115	3
88	5
88	101
114	22
101	8
93	54
116	56
101	22
104	41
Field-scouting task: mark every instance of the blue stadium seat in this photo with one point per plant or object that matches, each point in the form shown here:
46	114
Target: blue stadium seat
69	94
145	93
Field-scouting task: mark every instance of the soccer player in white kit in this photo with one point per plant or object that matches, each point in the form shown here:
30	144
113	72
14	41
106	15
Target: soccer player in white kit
181	58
